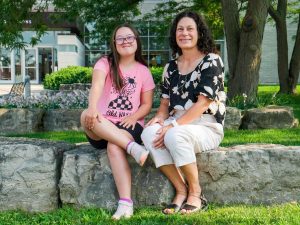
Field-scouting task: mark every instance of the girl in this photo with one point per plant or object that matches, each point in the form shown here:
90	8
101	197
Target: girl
119	99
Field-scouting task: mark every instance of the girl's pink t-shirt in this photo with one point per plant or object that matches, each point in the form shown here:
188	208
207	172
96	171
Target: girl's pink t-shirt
113	104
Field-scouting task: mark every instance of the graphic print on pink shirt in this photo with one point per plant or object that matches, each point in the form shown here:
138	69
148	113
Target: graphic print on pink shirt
122	102
115	105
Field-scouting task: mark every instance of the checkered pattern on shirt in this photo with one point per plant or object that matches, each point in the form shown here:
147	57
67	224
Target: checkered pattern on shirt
121	103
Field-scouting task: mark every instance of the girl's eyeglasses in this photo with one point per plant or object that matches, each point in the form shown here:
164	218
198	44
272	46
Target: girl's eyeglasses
129	39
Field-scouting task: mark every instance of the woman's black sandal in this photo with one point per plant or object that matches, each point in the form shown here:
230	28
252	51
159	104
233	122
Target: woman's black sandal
174	208
193	209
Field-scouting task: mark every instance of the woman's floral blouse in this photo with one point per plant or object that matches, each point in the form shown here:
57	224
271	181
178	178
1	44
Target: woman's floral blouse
206	79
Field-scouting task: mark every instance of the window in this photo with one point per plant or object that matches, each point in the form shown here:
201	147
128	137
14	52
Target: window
68	48
5	64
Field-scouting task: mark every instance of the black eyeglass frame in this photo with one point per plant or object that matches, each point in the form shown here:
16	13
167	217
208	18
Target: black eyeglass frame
129	39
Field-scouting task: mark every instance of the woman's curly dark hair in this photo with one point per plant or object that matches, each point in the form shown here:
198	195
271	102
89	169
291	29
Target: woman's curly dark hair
205	41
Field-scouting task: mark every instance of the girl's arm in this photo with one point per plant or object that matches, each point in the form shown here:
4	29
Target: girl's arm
144	109
92	115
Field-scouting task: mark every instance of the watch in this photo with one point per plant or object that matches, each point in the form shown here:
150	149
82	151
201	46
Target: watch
174	123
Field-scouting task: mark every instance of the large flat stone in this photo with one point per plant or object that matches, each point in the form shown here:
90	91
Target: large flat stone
249	174
29	173
20	120
87	181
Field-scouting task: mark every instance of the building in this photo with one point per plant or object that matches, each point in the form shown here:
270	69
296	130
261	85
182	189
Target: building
60	47
67	44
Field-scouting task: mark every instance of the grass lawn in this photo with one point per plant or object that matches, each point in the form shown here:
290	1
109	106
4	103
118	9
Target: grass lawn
237	214
277	214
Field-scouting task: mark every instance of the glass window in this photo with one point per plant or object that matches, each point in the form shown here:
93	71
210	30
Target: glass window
5	64
67	48
18	76
30	63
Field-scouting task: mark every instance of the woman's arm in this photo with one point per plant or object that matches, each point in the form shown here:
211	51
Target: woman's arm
143	110
98	80
161	114
195	111
191	114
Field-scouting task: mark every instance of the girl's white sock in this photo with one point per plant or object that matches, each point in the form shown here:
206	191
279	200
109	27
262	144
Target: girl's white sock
138	152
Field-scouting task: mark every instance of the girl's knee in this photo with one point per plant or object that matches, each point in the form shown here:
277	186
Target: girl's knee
82	118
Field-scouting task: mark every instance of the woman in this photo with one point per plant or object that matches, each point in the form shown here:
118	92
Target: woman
191	113
119	99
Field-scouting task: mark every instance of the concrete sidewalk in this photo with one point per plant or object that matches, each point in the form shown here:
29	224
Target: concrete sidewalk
35	88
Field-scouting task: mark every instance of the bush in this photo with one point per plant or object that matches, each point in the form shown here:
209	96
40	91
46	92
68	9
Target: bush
69	75
157	74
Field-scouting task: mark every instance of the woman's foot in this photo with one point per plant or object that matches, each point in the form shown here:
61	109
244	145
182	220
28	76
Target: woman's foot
138	152
124	210
195	202
176	204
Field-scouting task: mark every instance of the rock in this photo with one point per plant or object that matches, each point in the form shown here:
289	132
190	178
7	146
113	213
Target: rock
75	86
62	119
20	120
251	174
87	181
246	174
233	118
270	117
29	173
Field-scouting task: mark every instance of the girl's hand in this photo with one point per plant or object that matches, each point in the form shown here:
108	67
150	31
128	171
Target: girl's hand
129	121
92	116
159	140
155	120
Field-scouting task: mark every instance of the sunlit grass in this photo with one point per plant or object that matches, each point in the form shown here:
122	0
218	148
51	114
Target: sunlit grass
235	214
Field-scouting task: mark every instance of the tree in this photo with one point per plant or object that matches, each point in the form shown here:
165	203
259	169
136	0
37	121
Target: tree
166	12
103	14
13	16
288	77
244	45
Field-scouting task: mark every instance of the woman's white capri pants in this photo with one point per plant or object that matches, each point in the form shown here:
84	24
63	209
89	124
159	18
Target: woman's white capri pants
183	141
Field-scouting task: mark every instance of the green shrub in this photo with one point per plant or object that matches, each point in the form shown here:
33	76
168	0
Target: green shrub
157	74
69	75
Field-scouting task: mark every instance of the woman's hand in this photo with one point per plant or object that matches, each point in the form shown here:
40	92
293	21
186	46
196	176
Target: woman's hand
129	121
159	140
92	116
155	120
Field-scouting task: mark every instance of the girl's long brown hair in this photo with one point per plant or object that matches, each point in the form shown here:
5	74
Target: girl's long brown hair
114	57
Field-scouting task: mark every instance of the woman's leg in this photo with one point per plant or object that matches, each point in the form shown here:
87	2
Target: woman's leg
190	172
164	162
183	142
110	132
173	174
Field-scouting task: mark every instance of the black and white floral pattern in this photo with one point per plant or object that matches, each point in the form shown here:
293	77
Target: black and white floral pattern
206	79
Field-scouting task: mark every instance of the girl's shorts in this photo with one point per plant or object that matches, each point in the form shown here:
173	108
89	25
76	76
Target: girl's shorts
135	133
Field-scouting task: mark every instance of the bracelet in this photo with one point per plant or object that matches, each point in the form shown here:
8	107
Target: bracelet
174	123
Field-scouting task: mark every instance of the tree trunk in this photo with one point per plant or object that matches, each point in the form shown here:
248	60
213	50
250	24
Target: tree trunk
246	75
232	33
282	44
295	62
